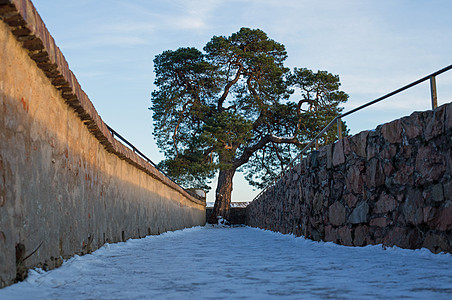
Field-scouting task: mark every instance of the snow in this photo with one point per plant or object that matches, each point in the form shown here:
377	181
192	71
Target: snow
214	262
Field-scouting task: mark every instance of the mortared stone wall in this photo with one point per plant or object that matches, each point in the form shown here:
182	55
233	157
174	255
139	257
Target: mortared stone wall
389	186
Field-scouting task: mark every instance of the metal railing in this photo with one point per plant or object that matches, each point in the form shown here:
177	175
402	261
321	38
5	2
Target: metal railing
338	120
135	150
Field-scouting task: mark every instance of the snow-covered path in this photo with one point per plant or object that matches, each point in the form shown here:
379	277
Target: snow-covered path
240	263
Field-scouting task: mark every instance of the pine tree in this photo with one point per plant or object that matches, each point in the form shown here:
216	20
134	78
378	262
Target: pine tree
235	106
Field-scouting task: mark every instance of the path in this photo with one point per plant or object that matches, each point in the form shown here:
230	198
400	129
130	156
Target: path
241	263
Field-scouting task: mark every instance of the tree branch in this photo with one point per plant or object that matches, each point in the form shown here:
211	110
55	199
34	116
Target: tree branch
228	87
176	129
259	145
252	89
277	154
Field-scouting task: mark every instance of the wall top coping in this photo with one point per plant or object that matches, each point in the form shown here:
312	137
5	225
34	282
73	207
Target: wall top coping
29	29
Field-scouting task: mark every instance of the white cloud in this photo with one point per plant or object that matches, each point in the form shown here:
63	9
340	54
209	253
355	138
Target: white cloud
174	15
197	14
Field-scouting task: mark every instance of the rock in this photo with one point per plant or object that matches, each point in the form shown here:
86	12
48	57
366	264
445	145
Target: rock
325	154
324	177
345	236
359	214
337	189
354	179
358	143
378	234
347	147
412	125
389	182
318	202
315	235
329	155
388	169
436	243
337	214
351	200
430	214
414	239
374	174
330	234
437	193
396	237
405	151
389	152
434	123
430	164
448	117
314	162
361	235
297	168
413	208
404	176
308	194
373	147
379	222
447	187
392	132
444	220
386	203
338	153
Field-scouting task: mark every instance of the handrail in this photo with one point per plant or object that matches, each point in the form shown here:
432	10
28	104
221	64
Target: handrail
135	150
338	118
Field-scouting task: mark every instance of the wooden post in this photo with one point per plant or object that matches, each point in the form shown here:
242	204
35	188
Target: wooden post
316	144
433	92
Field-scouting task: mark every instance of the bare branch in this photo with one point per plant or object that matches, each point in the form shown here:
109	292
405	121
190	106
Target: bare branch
181	117
259	145
228	87
252	89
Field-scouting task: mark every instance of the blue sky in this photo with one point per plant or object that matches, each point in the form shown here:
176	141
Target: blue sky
374	46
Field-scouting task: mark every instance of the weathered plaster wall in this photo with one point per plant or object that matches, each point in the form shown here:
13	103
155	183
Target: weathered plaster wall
389	186
65	183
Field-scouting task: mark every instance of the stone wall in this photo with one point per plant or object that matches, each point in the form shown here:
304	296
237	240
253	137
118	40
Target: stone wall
237	215
66	185
389	186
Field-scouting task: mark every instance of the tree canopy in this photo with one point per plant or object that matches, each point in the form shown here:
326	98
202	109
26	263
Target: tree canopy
235	105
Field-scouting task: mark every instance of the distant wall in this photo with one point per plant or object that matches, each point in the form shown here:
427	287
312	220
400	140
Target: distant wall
65	183
389	186
237	215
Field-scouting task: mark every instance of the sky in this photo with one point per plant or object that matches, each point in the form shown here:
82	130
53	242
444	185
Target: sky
240	263
374	46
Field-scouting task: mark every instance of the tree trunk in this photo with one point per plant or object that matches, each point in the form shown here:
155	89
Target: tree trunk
223	196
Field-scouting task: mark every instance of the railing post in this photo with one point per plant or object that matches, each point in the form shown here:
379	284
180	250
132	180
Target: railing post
433	92
316	144
339	128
